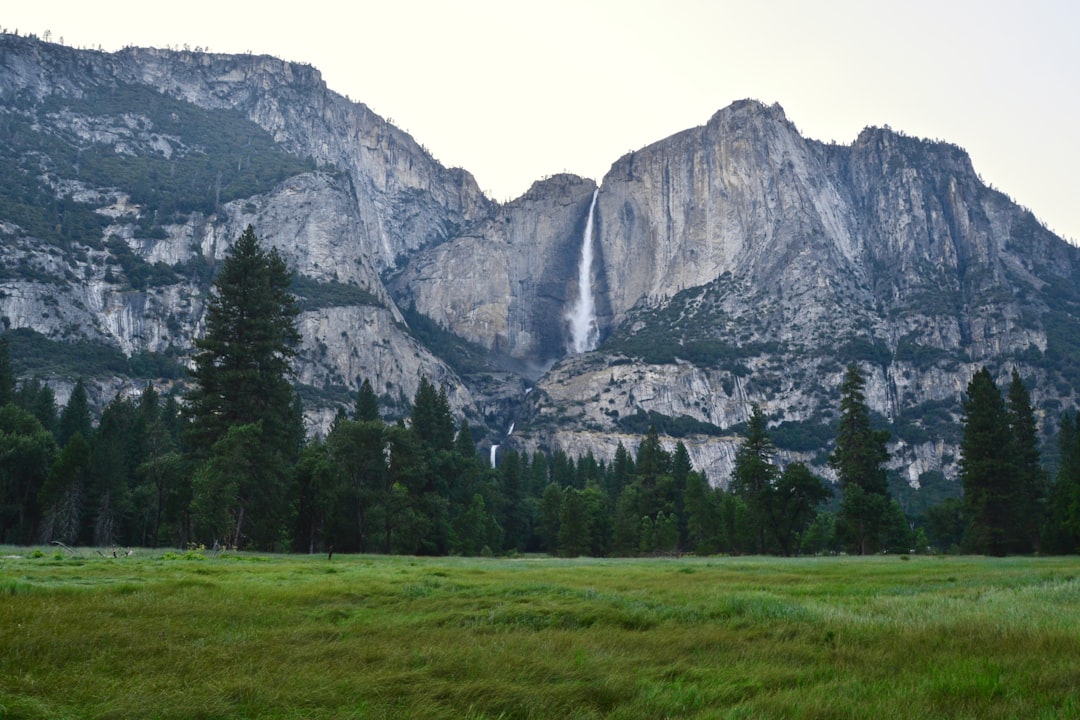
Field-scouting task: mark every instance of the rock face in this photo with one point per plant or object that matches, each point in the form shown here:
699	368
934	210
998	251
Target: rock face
736	263
506	284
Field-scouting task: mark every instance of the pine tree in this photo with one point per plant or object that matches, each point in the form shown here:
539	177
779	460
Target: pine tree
431	418
754	474
859	460
367	405
1062	531
75	417
39	400
242	366
548	522
242	393
573	525
703	526
353	484
1031	480
7	374
988	467
622	472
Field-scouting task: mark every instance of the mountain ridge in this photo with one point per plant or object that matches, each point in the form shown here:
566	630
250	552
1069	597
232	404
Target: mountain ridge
737	262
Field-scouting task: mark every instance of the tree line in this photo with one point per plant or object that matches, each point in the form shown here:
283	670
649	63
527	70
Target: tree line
228	465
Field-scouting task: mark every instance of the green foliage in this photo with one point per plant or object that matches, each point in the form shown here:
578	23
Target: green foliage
464	357
32	352
987	470
214	156
692	327
242	362
865	350
245	417
7	374
314	294
802	436
754	473
139	273
367	405
859	460
681	426
217	155
923	357
1062	325
27	451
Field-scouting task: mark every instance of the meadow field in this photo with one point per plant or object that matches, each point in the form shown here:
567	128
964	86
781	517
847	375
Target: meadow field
164	634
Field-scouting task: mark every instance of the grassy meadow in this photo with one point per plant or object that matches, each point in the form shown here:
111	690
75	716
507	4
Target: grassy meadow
178	635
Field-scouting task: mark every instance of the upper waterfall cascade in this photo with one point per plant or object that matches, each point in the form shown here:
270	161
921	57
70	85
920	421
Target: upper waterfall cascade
584	332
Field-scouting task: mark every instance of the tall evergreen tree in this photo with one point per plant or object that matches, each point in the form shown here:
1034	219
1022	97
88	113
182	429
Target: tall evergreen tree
574	537
622	472
39	400
242	364
548	520
75	417
241	380
703	525
859	460
1061	533
355	483
988	468
7	374
114	456
367	404
62	497
1031	480
432	421
754	474
1067	486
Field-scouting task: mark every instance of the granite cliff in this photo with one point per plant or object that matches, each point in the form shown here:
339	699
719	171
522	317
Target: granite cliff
734	263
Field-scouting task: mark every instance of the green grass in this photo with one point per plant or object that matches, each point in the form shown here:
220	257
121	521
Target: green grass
381	637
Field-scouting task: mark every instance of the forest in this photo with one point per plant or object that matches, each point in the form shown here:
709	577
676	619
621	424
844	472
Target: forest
227	465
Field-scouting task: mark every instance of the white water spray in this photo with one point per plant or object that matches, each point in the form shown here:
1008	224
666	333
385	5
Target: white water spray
493	449
584	333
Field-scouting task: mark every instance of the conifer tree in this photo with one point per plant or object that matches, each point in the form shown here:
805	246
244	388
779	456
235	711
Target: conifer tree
242	393
431	418
367	405
1059	533
988	468
548	521
242	366
1031	480
39	400
622	472
859	460
7	374
573	525
75	417
754	474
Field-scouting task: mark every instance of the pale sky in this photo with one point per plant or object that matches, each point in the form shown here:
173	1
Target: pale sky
515	91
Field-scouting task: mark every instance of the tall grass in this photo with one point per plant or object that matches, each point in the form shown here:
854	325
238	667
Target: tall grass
382	637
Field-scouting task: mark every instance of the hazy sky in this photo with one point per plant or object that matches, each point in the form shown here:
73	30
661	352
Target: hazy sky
514	91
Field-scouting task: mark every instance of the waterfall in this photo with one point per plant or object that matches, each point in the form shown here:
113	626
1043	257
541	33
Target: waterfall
584	333
493	449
